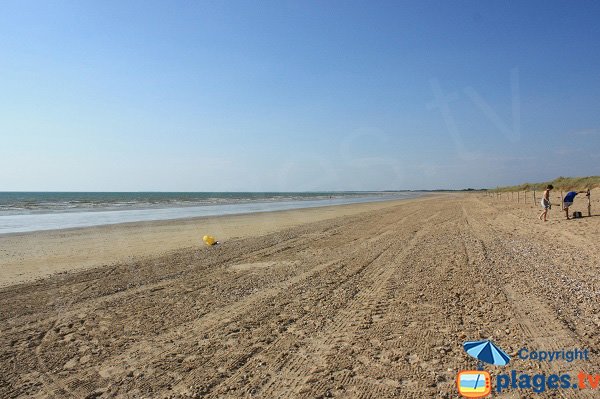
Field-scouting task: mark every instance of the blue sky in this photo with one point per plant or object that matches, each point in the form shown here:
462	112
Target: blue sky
296	96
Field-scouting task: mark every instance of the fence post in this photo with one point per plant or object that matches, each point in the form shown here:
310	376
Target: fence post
562	205
589	202
534	200
518	195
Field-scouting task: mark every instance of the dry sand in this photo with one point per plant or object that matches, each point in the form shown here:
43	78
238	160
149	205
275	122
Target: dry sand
374	304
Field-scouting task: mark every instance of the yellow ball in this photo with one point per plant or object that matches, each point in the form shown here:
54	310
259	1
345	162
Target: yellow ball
208	240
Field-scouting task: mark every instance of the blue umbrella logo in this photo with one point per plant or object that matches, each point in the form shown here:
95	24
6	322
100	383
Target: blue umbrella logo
477	384
486	352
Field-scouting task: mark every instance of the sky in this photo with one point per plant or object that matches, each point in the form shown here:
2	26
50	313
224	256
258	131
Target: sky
296	95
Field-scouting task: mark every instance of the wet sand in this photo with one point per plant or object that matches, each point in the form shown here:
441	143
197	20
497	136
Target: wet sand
374	304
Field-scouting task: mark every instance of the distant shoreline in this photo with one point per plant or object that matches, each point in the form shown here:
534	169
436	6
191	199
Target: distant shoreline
53	214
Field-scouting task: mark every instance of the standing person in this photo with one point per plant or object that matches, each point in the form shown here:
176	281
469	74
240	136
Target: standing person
546	202
568	200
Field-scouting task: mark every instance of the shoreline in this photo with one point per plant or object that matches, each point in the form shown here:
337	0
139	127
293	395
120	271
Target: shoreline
59	219
29	256
203	217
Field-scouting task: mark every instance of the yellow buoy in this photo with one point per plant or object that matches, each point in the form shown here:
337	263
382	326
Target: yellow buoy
209	240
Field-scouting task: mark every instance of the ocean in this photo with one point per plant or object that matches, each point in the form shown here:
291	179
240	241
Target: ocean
34	211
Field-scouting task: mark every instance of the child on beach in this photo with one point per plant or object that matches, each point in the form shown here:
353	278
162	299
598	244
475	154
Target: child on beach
546	202
568	200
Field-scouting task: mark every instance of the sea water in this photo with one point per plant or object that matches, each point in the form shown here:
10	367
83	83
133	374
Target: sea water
33	211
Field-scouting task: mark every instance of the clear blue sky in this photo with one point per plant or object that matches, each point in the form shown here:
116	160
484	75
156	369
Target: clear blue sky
296	96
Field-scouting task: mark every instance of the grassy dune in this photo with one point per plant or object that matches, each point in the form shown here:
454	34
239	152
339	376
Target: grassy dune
560	183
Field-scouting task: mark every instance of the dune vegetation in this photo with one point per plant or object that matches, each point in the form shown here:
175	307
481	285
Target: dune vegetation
560	183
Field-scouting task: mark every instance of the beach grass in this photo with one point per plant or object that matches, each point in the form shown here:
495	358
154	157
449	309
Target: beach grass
560	183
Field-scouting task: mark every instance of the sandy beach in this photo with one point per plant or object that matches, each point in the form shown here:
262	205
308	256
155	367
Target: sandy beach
357	301
29	256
